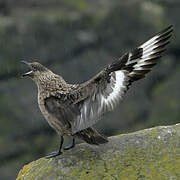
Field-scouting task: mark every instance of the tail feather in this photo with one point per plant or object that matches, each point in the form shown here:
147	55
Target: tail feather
91	136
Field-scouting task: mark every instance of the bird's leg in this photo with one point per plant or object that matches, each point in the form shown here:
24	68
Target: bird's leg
58	152
71	145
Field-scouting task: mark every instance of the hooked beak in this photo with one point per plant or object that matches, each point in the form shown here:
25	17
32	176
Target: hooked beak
30	73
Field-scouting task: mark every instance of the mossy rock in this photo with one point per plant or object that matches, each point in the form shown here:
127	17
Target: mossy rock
148	154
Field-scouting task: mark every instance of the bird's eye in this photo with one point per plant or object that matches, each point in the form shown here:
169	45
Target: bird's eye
33	68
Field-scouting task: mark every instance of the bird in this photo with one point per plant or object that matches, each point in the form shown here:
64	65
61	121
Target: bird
73	109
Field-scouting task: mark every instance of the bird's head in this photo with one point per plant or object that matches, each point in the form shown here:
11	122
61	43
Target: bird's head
37	71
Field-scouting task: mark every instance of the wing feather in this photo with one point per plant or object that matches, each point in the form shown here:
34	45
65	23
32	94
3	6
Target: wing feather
103	92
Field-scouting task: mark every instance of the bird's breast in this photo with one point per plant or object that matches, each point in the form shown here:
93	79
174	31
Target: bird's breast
53	121
43	109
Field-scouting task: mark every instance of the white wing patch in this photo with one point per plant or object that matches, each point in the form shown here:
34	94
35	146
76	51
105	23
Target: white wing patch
116	93
99	103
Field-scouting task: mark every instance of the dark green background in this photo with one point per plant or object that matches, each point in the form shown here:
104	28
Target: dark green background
77	38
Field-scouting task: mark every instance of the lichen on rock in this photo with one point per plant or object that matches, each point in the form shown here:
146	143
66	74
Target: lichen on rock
147	154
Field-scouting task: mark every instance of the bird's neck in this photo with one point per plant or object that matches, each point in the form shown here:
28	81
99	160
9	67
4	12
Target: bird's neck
50	84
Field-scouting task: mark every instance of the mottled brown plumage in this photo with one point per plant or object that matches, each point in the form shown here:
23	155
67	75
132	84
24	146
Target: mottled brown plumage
72	109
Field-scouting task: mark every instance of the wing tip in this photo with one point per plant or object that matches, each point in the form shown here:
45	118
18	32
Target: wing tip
167	32
167	29
152	51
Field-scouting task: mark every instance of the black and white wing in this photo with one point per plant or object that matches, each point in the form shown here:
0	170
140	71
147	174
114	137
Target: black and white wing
104	91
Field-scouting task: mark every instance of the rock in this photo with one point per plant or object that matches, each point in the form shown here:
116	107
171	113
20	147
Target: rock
147	154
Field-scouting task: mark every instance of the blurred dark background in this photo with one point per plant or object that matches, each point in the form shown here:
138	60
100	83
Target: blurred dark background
77	39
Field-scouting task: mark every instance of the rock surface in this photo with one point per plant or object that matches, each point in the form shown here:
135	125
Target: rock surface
147	154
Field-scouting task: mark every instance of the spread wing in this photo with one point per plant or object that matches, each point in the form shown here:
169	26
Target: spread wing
103	92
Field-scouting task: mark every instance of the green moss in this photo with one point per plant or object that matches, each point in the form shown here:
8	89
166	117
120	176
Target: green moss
147	154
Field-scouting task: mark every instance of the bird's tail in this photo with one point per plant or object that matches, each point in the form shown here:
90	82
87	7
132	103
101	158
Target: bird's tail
91	136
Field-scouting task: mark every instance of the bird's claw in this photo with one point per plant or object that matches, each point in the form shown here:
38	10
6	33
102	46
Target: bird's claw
70	146
53	154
